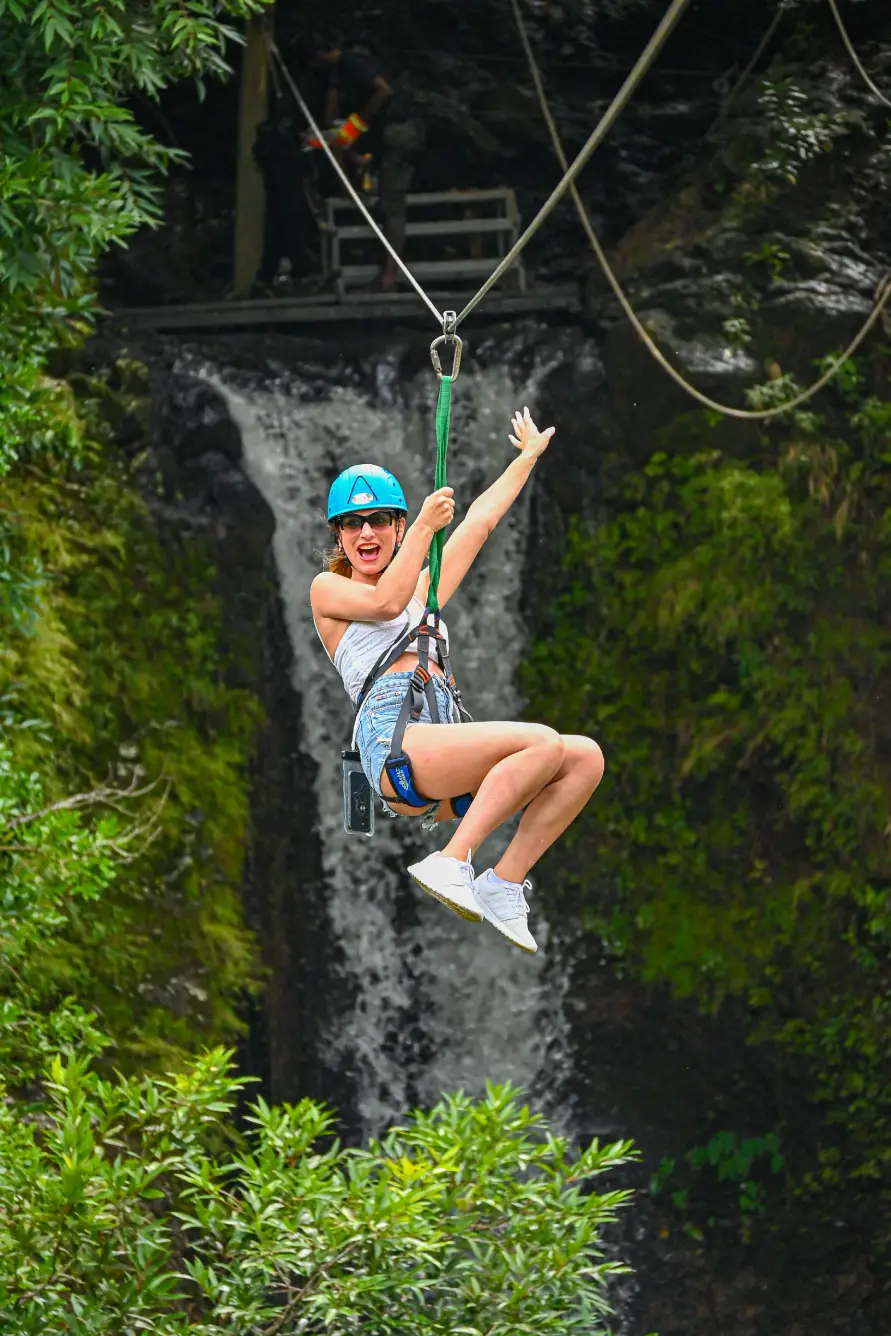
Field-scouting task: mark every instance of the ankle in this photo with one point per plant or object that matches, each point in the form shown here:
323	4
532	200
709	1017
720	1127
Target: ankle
463	855
512	872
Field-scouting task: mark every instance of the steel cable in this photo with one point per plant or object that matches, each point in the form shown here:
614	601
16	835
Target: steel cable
617	106
883	294
354	195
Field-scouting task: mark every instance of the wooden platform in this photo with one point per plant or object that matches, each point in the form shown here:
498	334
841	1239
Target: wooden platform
355	308
466	233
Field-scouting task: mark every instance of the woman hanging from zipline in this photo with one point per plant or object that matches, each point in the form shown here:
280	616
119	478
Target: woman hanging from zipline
368	607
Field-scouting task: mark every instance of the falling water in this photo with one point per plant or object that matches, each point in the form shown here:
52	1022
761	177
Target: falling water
439	1004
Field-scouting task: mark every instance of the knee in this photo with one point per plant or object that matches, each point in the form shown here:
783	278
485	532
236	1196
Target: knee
550	749
585	754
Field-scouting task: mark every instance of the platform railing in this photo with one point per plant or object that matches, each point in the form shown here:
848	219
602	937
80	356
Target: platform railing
471	222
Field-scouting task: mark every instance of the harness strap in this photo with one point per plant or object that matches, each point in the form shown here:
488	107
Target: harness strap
443	418
386	660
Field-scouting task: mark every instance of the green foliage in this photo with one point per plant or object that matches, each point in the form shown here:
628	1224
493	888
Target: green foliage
737	331
793	132
729	1159
51	870
112	682
131	1207
78	173
730	617
769	255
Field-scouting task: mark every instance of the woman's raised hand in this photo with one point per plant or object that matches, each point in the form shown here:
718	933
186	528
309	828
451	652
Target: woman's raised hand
529	440
438	509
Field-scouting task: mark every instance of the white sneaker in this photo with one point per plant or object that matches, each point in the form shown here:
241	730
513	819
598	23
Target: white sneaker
450	881
504	905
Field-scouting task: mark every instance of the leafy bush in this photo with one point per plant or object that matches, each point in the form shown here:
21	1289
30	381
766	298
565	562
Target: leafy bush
131	1206
793	132
743	1163
729	614
77	172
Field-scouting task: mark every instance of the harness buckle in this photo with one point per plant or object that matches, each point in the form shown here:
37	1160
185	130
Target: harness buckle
449	335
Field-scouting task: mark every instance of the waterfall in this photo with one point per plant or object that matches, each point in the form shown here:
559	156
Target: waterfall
435	1003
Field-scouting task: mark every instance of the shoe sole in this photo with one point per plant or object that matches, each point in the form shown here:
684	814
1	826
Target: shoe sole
496	923
460	910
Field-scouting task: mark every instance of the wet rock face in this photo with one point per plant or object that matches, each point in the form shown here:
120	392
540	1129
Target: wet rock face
198	454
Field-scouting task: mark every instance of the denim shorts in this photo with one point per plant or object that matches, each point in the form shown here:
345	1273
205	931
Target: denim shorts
378	715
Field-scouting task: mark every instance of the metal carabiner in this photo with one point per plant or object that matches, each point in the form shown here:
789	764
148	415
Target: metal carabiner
448	335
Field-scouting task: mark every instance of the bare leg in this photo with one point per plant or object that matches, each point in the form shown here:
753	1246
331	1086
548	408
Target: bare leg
504	764
507	788
507	767
554	807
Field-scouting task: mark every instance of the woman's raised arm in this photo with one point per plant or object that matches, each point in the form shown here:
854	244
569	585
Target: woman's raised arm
484	513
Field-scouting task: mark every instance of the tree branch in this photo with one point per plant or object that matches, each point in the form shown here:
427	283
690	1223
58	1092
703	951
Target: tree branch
292	1305
95	798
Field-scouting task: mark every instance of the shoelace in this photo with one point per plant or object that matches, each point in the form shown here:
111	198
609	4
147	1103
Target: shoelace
514	897
467	870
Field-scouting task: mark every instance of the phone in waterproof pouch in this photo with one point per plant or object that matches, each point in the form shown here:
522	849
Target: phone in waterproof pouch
358	797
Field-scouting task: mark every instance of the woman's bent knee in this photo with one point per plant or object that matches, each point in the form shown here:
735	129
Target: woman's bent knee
586	754
550	748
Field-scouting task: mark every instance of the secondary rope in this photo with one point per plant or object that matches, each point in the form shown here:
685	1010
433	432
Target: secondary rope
877	92
443	418
356	198
750	415
615	109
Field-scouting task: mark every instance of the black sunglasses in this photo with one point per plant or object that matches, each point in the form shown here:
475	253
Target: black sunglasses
378	519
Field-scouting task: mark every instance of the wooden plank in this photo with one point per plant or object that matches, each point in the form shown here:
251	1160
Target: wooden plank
426	198
250	196
323	310
442	227
364	273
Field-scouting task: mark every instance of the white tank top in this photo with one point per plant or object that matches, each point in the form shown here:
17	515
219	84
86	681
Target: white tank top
363	644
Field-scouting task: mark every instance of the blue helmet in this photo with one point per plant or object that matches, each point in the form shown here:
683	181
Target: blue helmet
363	486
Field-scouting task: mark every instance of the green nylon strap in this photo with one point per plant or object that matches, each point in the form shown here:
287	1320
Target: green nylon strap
443	417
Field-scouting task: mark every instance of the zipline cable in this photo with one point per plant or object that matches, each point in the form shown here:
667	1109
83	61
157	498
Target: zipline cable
882	296
615	109
356	198
877	92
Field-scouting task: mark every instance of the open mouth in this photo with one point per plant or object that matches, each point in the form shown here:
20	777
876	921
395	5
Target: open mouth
368	553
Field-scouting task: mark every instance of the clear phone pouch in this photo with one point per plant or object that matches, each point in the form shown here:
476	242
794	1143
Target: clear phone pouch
358	797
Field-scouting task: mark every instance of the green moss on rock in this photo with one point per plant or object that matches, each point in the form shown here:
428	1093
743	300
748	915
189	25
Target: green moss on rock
117	663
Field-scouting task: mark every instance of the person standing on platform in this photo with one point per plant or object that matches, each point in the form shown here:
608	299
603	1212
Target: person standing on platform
289	253
370	118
